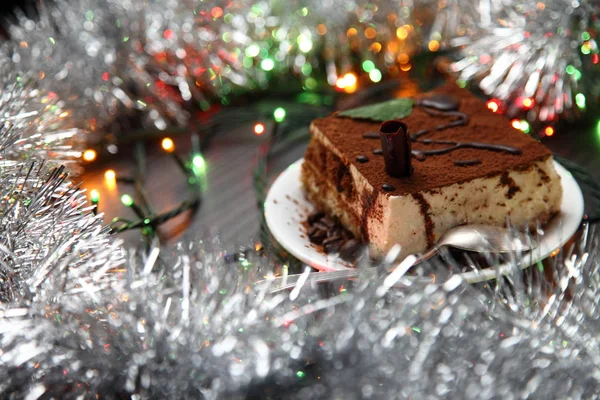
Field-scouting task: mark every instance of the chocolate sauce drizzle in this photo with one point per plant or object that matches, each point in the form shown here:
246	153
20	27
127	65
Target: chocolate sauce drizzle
466	163
445	106
422	154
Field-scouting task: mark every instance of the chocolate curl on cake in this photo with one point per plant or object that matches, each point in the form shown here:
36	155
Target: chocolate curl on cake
395	143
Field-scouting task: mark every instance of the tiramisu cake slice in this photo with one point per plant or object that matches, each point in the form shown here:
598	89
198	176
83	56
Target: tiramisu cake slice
448	161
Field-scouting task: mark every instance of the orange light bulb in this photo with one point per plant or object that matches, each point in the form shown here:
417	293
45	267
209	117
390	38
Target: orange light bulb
259	128
89	155
493	105
528	102
110	175
168	145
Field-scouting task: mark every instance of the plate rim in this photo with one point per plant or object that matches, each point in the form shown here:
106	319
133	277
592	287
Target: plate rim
574	203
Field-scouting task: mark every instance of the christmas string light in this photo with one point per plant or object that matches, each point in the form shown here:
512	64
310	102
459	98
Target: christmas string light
95	199
259	128
89	155
149	221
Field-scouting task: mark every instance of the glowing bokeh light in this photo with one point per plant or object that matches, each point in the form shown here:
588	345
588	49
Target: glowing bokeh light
368	66
252	50
580	100
94	196
168	34
370	33
434	45
528	102
110	175
347	82
199	165
402	33
279	114
259	128
375	75
305	44
493	105
89	155
127	200
350	79
267	64
168	145
217	12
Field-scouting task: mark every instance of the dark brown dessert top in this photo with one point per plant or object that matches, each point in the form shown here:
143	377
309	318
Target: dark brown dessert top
347	136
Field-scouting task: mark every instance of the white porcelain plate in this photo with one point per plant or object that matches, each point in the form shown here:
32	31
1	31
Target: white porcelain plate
286	208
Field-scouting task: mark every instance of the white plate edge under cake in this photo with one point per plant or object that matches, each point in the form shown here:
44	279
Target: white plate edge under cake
286	208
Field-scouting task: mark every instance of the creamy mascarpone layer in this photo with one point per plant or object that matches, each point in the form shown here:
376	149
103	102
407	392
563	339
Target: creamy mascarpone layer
416	221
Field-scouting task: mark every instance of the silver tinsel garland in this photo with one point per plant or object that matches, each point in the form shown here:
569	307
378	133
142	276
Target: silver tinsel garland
184	324
49	238
162	60
81	317
544	51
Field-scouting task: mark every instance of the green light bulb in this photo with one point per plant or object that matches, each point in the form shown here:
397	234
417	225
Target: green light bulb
267	64
310	83
127	200
368	66
279	114
304	43
252	50
94	196
199	161
580	100
199	166
570	69
585	49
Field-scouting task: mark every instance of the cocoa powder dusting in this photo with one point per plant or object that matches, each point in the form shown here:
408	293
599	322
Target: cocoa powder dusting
367	200
429	224
353	138
506	180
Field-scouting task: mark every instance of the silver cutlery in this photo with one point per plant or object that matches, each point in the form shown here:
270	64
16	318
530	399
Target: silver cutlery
474	238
